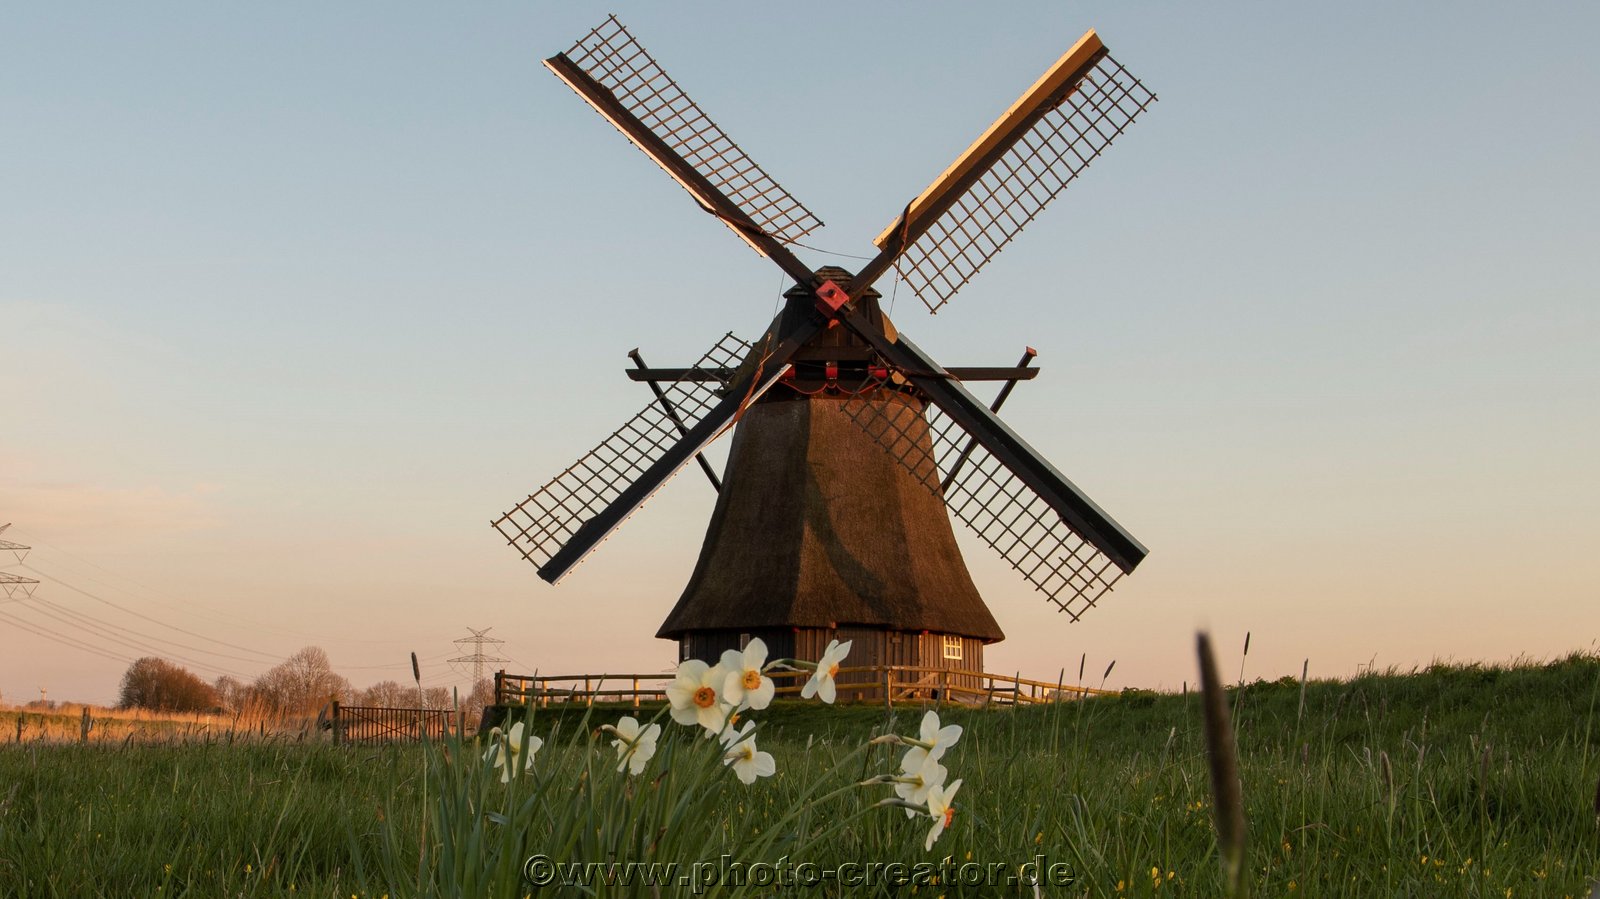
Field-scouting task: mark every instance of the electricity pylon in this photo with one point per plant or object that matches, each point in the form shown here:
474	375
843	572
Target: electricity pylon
12	584
478	659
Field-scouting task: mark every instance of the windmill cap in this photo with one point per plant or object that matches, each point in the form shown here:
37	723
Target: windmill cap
837	275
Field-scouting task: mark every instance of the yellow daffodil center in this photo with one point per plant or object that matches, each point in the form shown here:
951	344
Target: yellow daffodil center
834	671
752	679
705	697
949	815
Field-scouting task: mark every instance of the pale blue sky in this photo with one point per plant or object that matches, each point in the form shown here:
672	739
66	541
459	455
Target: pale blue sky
295	299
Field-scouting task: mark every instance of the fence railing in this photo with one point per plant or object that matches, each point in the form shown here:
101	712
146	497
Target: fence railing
888	684
376	724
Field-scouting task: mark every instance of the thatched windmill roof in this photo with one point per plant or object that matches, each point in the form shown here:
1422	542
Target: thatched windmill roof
816	526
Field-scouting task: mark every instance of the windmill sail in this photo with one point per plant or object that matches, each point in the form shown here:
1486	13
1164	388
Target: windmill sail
1027	157
539	526
677	131
1072	566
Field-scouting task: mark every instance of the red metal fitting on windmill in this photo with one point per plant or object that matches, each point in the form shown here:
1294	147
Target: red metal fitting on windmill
879	372
831	370
830	298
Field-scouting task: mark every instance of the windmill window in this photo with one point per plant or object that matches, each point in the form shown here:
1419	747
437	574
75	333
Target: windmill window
952	647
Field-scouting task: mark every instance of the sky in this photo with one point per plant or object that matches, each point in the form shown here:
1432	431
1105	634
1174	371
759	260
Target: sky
296	298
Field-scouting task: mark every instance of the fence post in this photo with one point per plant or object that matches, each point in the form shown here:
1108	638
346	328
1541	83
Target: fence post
499	687
888	686
636	692
944	687
20	715
83	728
338	736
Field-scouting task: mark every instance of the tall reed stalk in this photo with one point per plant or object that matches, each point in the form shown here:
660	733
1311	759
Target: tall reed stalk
1222	757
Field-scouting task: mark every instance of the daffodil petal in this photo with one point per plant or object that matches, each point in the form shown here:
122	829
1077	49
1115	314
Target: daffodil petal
761	697
765	765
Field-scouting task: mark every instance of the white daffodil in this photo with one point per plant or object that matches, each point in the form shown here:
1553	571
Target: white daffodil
510	744
748	762
821	682
941	805
914	786
931	743
634	746
745	687
696	696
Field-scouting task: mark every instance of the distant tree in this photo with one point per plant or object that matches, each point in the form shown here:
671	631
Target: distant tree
482	693
388	694
232	694
302	683
153	683
473	703
395	695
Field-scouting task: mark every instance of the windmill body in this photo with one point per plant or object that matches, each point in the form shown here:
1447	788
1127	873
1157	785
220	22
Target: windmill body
818	534
852	449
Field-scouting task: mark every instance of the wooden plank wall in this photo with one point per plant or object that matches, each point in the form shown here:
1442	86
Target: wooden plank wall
869	646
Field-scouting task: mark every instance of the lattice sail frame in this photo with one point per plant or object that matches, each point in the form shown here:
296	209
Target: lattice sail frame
1008	196
541	524
611	56
993	502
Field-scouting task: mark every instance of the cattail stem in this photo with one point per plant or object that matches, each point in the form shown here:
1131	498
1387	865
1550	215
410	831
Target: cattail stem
422	829
1223	757
1305	674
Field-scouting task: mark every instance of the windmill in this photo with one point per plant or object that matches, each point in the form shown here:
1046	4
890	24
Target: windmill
852	448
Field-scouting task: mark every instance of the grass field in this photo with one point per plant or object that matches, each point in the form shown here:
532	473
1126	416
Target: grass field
1451	781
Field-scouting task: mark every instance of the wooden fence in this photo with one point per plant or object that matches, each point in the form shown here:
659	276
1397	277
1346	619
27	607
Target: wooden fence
375	724
888	684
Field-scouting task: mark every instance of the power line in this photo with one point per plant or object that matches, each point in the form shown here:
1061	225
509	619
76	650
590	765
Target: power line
105	632
42	604
64	640
403	663
138	614
189	607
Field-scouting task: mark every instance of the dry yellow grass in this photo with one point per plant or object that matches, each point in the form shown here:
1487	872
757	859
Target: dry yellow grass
64	723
